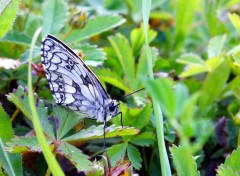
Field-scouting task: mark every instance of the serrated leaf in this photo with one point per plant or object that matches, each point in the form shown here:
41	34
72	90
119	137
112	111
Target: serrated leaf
125	57
143	139
12	163
137	38
20	98
184	161
214	84
94	55
75	156
96	26
134	157
65	120
215	46
112	78
54	14
226	171
135	117
94	132
24	144
117	152
8	13
232	163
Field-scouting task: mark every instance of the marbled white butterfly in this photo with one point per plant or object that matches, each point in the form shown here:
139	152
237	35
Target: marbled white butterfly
73	84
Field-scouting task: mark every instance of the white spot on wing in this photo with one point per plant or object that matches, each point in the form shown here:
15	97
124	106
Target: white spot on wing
86	93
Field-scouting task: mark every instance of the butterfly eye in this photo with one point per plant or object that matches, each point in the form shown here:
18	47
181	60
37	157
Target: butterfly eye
111	108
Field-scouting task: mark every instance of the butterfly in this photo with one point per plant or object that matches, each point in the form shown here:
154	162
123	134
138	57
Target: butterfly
73	84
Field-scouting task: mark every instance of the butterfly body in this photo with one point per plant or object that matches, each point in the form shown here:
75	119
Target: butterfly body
73	84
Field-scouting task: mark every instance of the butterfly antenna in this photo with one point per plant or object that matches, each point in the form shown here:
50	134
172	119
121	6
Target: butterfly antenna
133	92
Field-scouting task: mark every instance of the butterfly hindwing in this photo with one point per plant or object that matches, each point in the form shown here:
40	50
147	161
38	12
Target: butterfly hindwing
72	83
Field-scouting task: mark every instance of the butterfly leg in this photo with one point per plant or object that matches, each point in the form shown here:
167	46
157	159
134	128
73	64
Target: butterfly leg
121	119
104	135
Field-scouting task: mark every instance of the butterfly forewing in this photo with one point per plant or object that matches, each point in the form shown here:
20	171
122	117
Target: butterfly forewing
72	83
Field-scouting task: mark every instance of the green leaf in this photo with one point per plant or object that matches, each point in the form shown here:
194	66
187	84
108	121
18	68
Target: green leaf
94	56
135	117
65	120
75	156
234	18
232	161
184	161
214	84
25	56
117	152
11	163
143	139
134	156
54	14
8	13
20	98
94	132
137	38
96	26
170	99
112	78
24	144
125	57
194	64
215	46
184	17
226	171
190	59
18	38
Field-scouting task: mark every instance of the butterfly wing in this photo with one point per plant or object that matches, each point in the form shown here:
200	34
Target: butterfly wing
72	83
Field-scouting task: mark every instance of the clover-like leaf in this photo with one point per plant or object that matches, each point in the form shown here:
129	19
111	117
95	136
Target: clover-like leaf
231	164
184	161
24	144
20	98
94	132
65	120
134	156
75	156
117	152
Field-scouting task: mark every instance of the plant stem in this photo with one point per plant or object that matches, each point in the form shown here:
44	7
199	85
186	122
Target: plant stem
48	155
165	166
15	114
67	34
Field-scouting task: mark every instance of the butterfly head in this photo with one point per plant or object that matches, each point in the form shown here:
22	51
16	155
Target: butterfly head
112	109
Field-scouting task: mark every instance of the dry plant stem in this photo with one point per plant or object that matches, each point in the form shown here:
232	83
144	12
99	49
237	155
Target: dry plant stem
15	114
67	34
